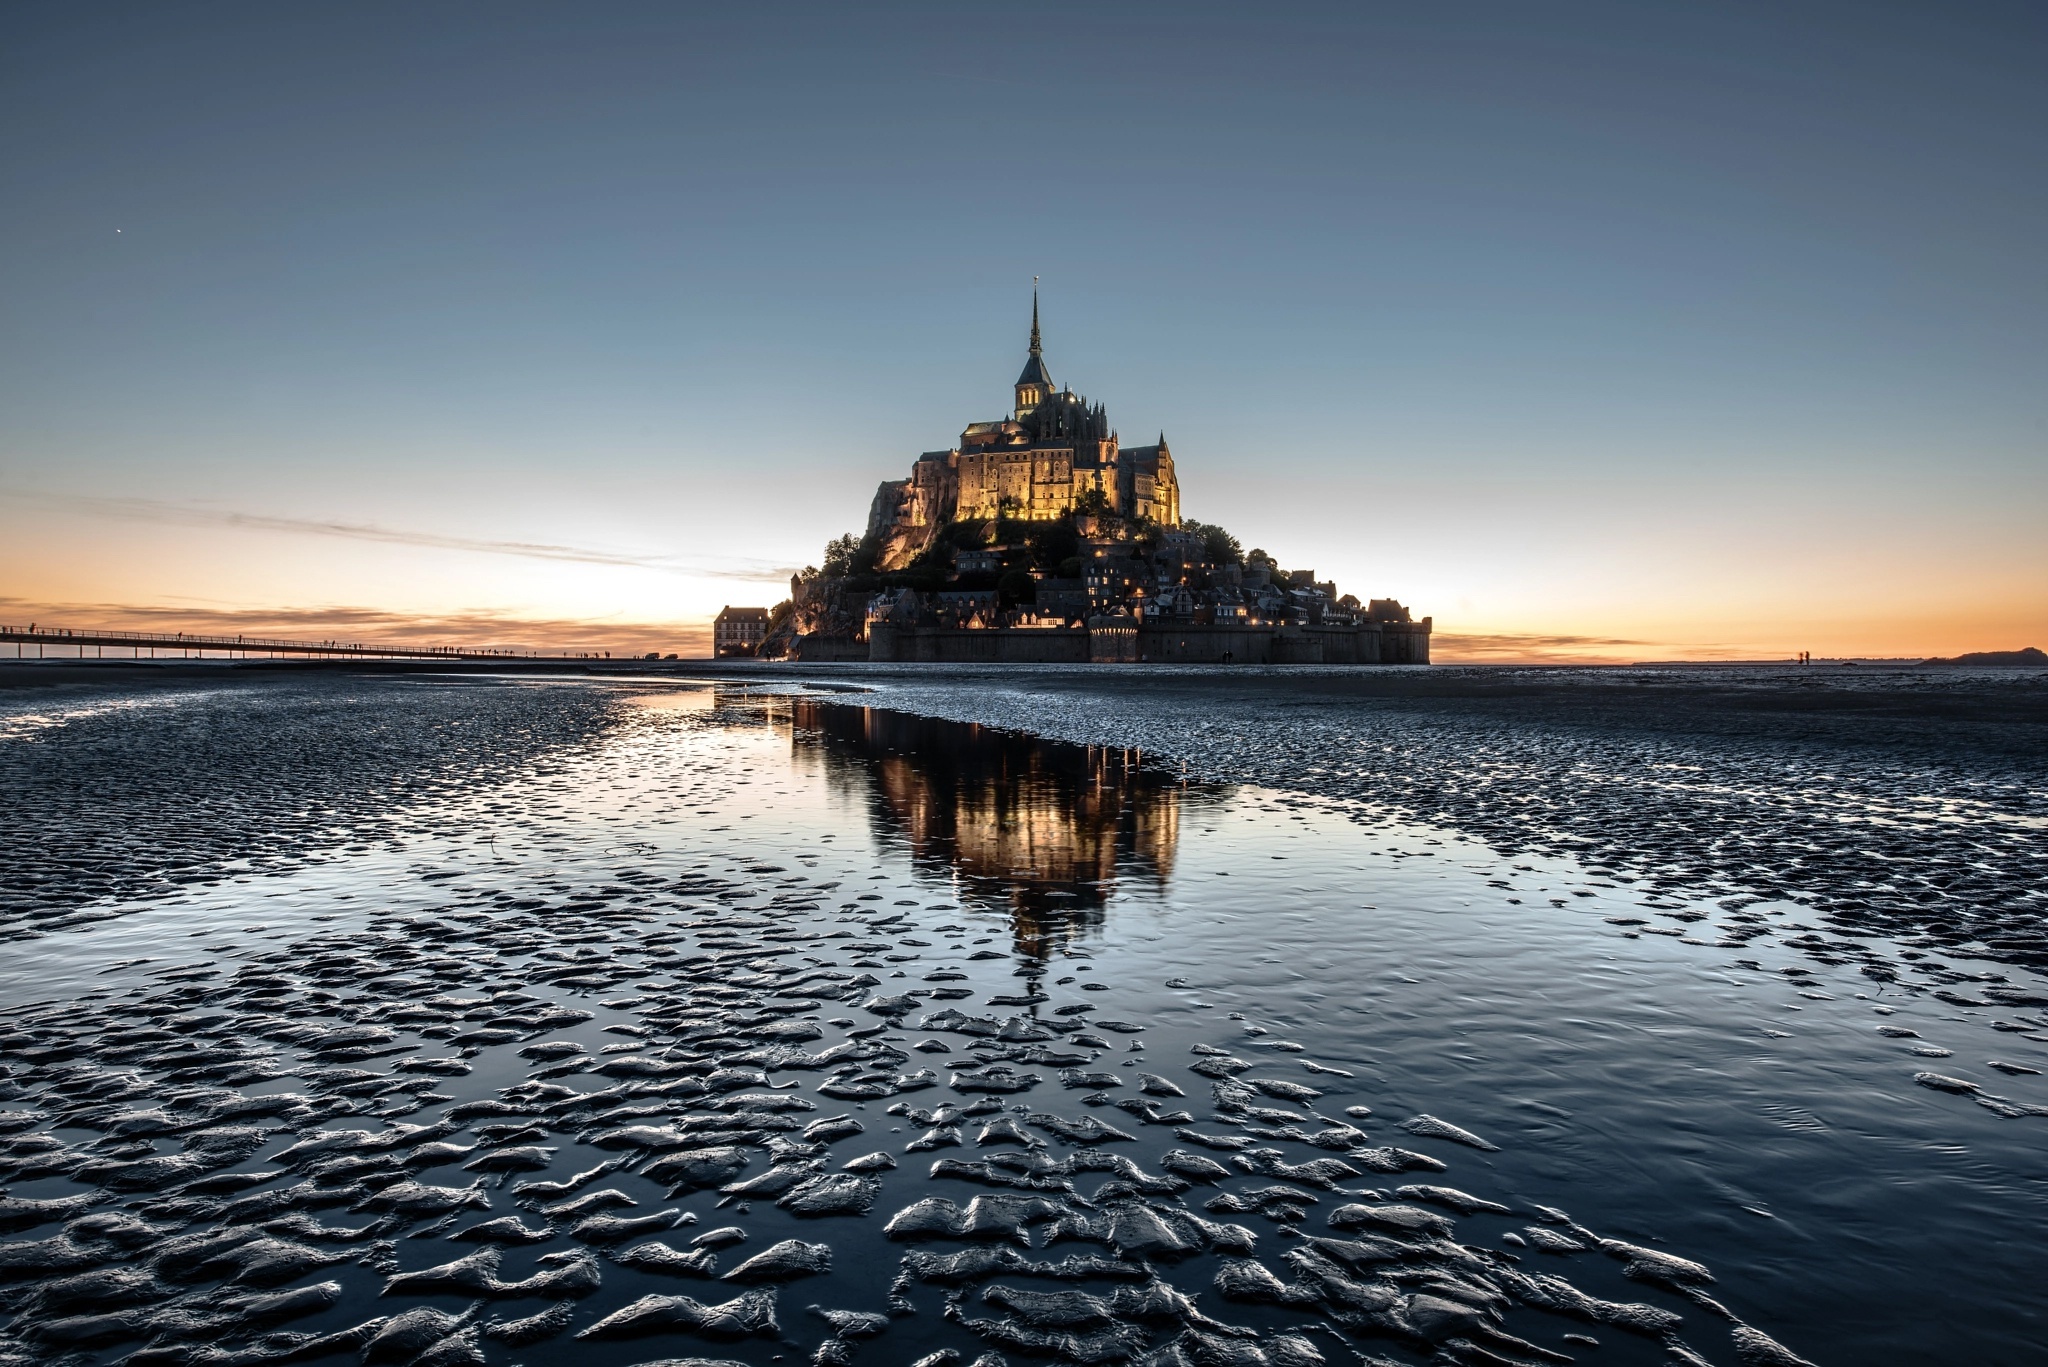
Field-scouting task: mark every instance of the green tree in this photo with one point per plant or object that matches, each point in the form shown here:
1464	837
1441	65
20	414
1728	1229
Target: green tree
966	534
1017	587
839	555
1218	545
1052	542
1009	527
1145	535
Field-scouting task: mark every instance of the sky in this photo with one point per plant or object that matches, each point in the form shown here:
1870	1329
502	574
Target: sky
1591	331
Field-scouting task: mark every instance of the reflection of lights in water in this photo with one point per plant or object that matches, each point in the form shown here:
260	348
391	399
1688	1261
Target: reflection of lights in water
686	699
1039	828
15	724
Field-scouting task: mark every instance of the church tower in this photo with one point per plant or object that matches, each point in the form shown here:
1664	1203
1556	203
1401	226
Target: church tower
1034	386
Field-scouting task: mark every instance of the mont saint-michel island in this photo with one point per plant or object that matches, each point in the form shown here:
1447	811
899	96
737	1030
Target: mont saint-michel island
1040	538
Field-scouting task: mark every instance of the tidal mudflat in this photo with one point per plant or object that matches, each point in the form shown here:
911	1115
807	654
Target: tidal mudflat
501	1020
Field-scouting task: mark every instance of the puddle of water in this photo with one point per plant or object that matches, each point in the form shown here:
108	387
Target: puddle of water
678	699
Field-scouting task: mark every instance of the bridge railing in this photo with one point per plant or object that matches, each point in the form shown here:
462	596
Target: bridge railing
38	634
187	638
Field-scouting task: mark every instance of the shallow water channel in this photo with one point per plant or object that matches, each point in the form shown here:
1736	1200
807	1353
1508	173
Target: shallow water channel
457	1050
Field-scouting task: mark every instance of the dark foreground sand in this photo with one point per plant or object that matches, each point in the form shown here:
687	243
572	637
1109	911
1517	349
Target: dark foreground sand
575	1075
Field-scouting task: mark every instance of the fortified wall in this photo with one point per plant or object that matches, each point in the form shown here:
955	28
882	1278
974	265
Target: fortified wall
1119	641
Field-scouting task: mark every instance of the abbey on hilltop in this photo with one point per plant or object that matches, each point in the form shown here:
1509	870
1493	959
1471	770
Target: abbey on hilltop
1055	454
1042	538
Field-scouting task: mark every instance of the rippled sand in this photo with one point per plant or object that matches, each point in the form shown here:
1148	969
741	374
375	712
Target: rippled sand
1908	801
424	1022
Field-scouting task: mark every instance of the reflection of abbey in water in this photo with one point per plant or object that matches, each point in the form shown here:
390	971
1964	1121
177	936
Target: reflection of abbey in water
1042	827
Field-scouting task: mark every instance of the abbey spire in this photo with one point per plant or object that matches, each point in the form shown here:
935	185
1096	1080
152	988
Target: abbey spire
1034	386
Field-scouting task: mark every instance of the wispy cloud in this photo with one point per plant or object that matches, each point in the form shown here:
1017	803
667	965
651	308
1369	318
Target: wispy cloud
477	628
1452	648
193	515
1536	648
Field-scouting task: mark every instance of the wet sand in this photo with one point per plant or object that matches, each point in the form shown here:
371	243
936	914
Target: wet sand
1912	801
610	1022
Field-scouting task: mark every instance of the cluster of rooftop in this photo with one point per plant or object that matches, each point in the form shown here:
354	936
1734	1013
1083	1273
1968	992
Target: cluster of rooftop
1090	565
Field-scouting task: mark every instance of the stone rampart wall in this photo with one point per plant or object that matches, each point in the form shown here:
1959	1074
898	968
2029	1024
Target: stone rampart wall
828	649
962	645
1372	643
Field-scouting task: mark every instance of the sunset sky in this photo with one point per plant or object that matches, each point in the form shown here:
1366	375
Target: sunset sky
1594	331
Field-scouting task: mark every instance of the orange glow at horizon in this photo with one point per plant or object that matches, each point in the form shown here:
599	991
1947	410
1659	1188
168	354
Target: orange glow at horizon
1491	604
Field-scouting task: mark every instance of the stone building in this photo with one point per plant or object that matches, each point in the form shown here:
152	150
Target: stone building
1054	451
738	631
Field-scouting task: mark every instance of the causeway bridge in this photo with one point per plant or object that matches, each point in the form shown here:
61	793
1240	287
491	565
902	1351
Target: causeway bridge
38	642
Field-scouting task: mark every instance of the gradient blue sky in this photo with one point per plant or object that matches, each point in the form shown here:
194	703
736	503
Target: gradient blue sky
1617	330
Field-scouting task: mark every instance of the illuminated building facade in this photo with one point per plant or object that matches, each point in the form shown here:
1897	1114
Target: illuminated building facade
1053	453
738	631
